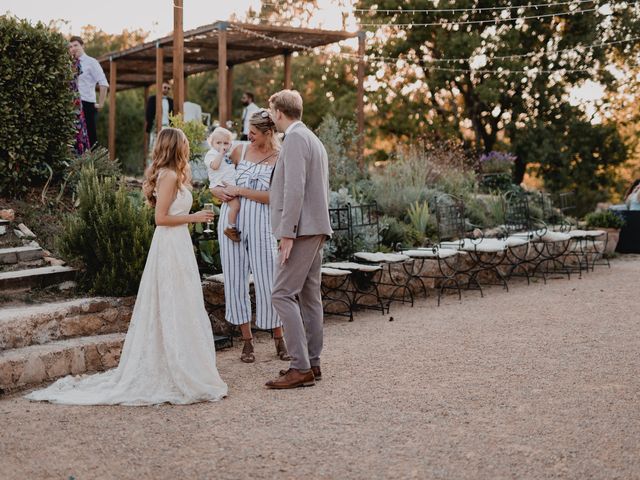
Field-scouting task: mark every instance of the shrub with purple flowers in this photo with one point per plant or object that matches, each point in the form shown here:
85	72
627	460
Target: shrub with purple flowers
496	162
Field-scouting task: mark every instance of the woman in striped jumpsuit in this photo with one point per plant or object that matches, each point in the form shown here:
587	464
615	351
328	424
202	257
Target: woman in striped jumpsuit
255	253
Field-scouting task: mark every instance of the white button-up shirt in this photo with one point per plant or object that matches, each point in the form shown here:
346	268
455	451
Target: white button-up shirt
91	75
247	112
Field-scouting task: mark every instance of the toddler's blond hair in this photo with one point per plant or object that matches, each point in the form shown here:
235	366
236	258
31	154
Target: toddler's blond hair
217	133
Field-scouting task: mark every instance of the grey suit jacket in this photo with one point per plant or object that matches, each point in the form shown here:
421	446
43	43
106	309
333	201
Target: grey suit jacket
299	195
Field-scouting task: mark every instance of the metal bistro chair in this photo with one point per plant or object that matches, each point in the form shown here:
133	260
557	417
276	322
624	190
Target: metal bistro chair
484	255
335	281
587	246
548	248
395	285
364	278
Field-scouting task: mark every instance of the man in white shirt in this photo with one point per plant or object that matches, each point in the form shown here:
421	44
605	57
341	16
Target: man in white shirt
249	109
90	76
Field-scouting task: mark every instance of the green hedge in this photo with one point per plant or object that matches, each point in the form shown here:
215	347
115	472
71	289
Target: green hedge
36	103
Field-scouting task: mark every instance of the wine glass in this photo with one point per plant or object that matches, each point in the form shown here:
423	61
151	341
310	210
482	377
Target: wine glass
208	207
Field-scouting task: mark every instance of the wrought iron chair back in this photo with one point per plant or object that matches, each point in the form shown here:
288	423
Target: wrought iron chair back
342	239
517	217
450	218
364	221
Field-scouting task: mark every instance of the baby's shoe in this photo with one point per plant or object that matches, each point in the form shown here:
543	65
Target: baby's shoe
232	233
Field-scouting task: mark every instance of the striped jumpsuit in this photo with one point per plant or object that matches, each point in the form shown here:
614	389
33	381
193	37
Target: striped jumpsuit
255	253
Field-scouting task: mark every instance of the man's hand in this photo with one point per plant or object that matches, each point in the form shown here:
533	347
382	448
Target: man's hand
285	246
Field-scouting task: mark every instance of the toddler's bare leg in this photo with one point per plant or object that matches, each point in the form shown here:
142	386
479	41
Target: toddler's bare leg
234	209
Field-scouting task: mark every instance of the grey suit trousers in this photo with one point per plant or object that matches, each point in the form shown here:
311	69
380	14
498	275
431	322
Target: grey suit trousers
302	317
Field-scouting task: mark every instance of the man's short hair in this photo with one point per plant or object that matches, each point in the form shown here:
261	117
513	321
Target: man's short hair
76	38
288	102
250	95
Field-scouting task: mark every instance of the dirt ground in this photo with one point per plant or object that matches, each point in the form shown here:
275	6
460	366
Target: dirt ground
538	382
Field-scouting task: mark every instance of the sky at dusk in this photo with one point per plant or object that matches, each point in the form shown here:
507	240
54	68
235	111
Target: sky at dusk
155	16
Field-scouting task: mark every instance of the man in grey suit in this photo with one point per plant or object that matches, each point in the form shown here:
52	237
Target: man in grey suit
299	206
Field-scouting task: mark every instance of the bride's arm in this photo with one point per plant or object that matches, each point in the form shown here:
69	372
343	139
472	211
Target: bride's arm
166	190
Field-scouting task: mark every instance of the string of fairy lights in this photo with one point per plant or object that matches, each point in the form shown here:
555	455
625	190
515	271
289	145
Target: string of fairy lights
431	62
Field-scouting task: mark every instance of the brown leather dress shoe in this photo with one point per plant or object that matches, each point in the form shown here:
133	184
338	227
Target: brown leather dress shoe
317	374
293	378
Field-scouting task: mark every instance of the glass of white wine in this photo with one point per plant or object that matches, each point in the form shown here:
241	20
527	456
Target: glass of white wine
208	207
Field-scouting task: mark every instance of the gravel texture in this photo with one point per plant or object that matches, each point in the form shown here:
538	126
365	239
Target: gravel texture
539	382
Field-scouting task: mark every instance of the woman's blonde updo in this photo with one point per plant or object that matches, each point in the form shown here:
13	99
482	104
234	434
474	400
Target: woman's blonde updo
171	151
262	121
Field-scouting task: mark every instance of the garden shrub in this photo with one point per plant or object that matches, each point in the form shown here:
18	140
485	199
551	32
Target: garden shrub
603	219
110	233
340	140
36	103
196	133
97	158
394	232
417	171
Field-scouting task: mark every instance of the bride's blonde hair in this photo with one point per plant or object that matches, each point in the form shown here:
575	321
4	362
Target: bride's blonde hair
170	151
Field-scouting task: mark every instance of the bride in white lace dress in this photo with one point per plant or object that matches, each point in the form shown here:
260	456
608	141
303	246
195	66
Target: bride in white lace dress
168	353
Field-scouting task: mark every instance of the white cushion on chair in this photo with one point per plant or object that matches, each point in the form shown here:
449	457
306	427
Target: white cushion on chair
353	266
551	237
516	241
379	257
334	272
486	245
429	253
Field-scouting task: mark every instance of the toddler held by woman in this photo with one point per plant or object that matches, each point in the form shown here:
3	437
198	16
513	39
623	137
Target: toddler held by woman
222	172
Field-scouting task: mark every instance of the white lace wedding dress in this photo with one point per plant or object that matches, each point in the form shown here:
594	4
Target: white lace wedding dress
168	353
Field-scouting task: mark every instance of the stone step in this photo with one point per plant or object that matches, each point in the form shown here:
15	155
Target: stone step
4	222
38	324
36	364
36	277
20	254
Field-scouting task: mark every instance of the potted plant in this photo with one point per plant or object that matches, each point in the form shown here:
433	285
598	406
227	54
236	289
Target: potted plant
609	222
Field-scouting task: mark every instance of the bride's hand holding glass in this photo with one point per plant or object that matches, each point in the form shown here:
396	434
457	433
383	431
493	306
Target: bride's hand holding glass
203	216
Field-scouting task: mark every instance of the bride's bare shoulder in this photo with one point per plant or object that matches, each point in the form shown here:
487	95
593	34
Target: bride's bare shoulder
167	174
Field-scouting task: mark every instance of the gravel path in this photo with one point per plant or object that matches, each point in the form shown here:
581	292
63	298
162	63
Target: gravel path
540	382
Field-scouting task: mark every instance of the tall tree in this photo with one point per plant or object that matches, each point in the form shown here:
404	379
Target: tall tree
511	82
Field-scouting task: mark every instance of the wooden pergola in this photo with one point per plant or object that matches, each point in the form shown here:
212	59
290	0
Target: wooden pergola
207	48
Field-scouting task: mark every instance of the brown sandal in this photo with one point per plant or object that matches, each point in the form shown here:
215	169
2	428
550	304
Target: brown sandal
247	352
281	349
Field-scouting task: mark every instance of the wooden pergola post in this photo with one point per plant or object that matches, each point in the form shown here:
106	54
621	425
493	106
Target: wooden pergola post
145	147
178	58
230	91
287	70
223	114
360	99
159	80
112	109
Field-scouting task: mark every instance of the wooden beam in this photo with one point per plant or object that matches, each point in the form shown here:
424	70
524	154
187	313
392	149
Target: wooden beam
223	114
145	147
230	92
178	57
360	99
112	109
159	80
287	70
